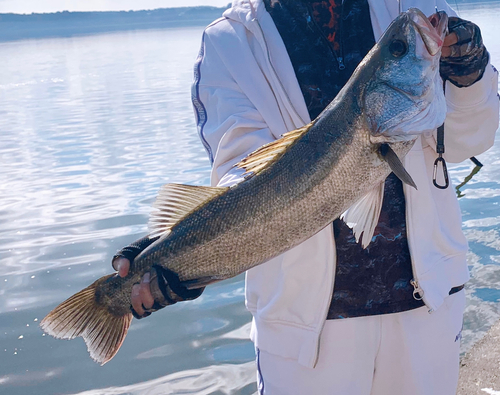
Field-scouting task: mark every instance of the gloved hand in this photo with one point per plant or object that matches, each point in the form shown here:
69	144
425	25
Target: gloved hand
464	57
121	260
156	290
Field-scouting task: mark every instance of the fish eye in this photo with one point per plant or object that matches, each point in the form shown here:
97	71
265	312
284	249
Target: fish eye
398	48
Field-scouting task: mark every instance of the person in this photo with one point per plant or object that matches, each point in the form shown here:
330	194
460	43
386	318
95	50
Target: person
328	316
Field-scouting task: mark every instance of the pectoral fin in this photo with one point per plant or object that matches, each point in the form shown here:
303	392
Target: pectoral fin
363	216
395	164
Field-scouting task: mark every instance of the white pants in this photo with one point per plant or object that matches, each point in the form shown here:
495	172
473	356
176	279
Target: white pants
409	353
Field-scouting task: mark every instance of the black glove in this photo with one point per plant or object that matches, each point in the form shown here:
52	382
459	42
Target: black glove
169	288
131	251
468	59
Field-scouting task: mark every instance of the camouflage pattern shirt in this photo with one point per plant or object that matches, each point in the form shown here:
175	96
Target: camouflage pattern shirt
326	40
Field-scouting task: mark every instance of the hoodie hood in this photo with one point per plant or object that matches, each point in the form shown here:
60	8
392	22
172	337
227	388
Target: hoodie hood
245	11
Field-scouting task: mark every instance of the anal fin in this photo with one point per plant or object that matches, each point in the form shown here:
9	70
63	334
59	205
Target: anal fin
199	282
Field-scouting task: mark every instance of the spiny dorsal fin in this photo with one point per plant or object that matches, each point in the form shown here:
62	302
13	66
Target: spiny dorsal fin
174	202
362	217
262	157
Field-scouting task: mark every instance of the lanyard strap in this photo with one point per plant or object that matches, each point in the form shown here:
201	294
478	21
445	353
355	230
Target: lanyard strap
440	160
440	152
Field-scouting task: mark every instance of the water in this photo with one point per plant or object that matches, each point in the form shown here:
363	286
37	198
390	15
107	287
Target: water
91	127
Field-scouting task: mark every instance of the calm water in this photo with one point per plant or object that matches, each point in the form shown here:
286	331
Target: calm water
91	127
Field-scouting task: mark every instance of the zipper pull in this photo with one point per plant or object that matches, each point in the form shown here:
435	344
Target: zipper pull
341	63
418	292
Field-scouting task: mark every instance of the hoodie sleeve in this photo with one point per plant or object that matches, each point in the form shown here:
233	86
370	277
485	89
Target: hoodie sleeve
472	118
230	123
473	114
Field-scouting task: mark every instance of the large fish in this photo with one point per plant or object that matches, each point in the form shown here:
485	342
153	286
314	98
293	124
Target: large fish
294	186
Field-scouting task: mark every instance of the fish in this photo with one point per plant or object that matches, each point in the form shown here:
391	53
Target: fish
292	188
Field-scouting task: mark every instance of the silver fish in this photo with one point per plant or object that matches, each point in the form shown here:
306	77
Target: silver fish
294	187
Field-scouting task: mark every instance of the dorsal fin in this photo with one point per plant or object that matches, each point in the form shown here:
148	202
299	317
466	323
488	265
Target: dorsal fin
174	202
268	153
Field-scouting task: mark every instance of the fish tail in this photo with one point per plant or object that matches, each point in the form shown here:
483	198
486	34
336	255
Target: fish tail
82	315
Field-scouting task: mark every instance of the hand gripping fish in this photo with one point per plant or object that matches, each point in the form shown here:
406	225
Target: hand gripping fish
294	187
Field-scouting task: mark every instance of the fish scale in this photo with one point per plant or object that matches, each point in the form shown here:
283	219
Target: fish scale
293	187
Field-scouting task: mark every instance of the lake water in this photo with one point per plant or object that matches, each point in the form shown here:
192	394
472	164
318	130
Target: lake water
90	128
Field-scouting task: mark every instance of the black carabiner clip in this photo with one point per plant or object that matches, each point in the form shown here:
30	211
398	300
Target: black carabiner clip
441	160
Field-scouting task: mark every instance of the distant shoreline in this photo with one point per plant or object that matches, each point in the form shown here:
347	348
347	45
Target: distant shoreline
66	24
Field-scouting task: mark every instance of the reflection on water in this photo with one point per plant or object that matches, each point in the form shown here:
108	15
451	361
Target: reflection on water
216	379
91	128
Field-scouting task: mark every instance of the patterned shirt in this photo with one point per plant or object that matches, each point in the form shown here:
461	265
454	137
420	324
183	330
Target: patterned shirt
326	40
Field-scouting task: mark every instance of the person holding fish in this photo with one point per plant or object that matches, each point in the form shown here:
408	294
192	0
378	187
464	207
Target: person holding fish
373	303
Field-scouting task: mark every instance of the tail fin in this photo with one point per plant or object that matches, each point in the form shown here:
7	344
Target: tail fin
81	315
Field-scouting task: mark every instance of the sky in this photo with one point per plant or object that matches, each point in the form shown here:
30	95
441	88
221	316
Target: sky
29	6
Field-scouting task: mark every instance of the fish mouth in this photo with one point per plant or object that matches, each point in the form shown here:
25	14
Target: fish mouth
432	30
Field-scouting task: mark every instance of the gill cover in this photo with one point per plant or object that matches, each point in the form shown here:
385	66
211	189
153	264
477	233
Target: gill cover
405	97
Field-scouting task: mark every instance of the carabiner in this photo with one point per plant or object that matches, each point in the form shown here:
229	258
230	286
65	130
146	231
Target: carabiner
441	160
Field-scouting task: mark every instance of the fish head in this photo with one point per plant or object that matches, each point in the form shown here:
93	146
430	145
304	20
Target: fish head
404	96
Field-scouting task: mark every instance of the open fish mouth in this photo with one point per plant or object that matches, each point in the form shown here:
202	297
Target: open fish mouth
432	29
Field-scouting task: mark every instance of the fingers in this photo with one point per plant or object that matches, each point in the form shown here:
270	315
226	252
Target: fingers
463	40
141	295
122	266
136	300
145	292
449	40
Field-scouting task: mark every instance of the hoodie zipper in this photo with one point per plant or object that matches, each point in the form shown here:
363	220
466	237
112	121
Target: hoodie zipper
418	292
338	56
325	312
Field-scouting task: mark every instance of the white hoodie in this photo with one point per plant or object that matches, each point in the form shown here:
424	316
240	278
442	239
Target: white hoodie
246	94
